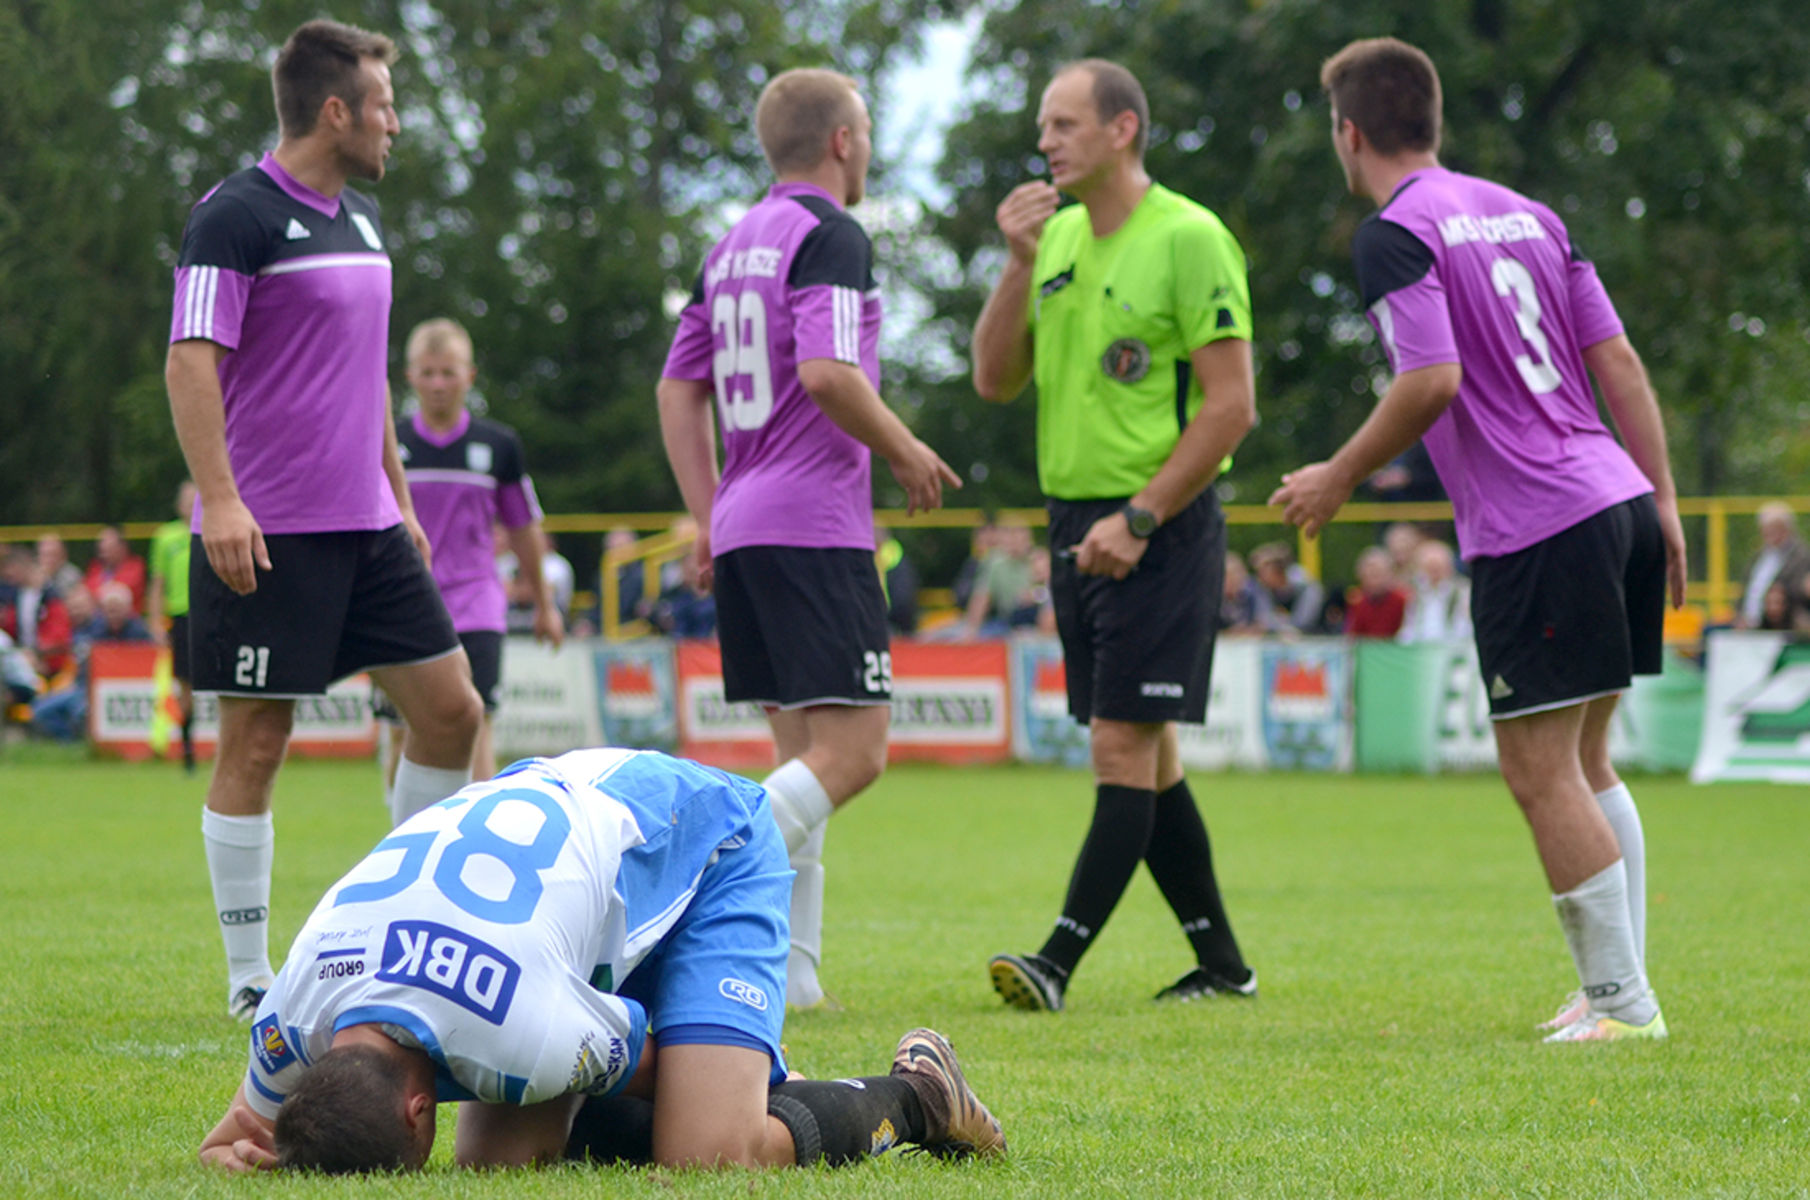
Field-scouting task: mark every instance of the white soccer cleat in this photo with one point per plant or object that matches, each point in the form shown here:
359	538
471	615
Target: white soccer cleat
242	1002
1599	1027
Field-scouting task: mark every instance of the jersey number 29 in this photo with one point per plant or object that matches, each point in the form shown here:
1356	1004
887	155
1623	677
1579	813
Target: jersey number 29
744	376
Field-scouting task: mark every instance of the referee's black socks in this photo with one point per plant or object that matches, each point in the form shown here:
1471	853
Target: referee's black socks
1115	845
1181	861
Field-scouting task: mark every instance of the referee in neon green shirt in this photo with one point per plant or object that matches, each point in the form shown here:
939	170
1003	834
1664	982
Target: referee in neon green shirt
169	597
1132	312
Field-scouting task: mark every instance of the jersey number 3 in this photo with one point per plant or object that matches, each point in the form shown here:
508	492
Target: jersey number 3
1513	282
744	376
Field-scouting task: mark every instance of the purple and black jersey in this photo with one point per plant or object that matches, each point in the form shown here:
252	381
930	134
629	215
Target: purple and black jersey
793	281
1456	269
463	482
297	287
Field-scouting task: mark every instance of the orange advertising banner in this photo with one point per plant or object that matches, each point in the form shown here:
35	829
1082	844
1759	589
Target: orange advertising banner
950	703
122	708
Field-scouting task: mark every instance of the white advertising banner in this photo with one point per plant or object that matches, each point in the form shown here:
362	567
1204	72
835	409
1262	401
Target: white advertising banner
1233	734
1756	718
547	701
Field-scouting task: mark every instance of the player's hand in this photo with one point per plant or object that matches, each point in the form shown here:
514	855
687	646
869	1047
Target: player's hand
418	536
234	544
922	473
706	564
1672	529
549	626
1021	216
1109	548
242	1141
1311	496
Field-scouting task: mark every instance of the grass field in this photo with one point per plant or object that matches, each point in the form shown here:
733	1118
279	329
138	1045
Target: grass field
1400	928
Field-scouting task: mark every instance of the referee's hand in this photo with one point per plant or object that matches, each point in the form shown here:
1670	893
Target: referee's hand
1021	216
234	544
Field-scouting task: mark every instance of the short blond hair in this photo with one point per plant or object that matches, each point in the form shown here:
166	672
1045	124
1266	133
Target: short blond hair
799	111
440	335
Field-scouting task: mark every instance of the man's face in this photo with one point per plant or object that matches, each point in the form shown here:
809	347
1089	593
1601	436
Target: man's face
861	153
441	379
366	144
110	547
1077	144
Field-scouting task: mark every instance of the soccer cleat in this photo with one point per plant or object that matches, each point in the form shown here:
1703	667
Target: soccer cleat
1201	983
1573	1010
1030	982
956	1123
1599	1027
242	1005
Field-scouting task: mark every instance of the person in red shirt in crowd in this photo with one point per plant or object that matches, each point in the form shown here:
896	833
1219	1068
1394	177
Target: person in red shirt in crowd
1375	607
32	614
113	559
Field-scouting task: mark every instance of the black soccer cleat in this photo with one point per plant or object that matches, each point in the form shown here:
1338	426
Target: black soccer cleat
1028	981
956	1123
1200	984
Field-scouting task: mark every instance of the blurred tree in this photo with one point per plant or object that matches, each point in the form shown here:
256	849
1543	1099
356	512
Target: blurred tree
561	166
1670	137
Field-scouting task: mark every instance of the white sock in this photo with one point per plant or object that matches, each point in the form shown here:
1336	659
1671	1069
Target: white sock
802	988
239	850
800	804
1618	806
1594	916
418	787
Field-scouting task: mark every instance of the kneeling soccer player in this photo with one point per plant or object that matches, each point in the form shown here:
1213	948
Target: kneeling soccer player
528	943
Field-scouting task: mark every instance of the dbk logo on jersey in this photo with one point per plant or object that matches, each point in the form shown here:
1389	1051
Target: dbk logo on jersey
456	966
267	1043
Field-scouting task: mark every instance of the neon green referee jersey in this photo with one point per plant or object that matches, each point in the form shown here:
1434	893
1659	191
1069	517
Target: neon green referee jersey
170	562
1113	321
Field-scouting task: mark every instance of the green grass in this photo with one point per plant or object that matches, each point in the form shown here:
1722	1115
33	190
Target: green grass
1400	926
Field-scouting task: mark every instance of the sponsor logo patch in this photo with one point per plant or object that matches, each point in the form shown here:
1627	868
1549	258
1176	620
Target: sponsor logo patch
743	993
1173	691
1126	360
296	231
478	457
243	916
267	1043
455	966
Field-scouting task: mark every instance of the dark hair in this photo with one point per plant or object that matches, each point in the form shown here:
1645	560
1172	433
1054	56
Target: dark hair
319	60
345	1115
1389	90
1116	90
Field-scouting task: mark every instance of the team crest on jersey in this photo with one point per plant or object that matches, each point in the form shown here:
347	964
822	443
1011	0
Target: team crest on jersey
478	457
267	1042
1126	360
367	231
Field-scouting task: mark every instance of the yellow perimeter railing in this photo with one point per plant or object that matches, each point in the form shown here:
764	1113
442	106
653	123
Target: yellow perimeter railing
1712	585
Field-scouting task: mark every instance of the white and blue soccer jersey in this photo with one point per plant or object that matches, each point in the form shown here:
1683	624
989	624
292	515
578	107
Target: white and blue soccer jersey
498	929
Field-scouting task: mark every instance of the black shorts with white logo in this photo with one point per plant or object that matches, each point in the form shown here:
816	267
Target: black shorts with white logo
484	650
331	604
802	626
179	647
1140	648
1573	617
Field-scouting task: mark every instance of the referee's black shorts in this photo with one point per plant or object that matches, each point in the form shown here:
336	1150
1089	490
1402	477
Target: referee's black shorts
1575	616
331	604
1140	649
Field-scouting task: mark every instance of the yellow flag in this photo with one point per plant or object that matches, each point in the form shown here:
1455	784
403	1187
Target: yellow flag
165	715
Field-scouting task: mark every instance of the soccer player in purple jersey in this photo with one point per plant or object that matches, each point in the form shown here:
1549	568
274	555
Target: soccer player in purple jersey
782	334
466	475
314	565
1491	318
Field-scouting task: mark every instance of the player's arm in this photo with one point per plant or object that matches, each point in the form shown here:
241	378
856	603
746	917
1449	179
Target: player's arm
399	482
1629	395
242	1141
229	533
525	541
688	429
1002	337
1311	495
847	397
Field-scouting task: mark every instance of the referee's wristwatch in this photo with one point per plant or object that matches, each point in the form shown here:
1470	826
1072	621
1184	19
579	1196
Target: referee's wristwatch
1141	521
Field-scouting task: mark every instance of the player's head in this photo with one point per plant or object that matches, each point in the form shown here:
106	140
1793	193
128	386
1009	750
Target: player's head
1388	93
333	81
353	1112
440	366
811	119
1093	120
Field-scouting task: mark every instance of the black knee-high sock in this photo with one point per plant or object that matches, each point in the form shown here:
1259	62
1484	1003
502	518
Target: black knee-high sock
611	1129
1181	861
1109	857
843	1121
